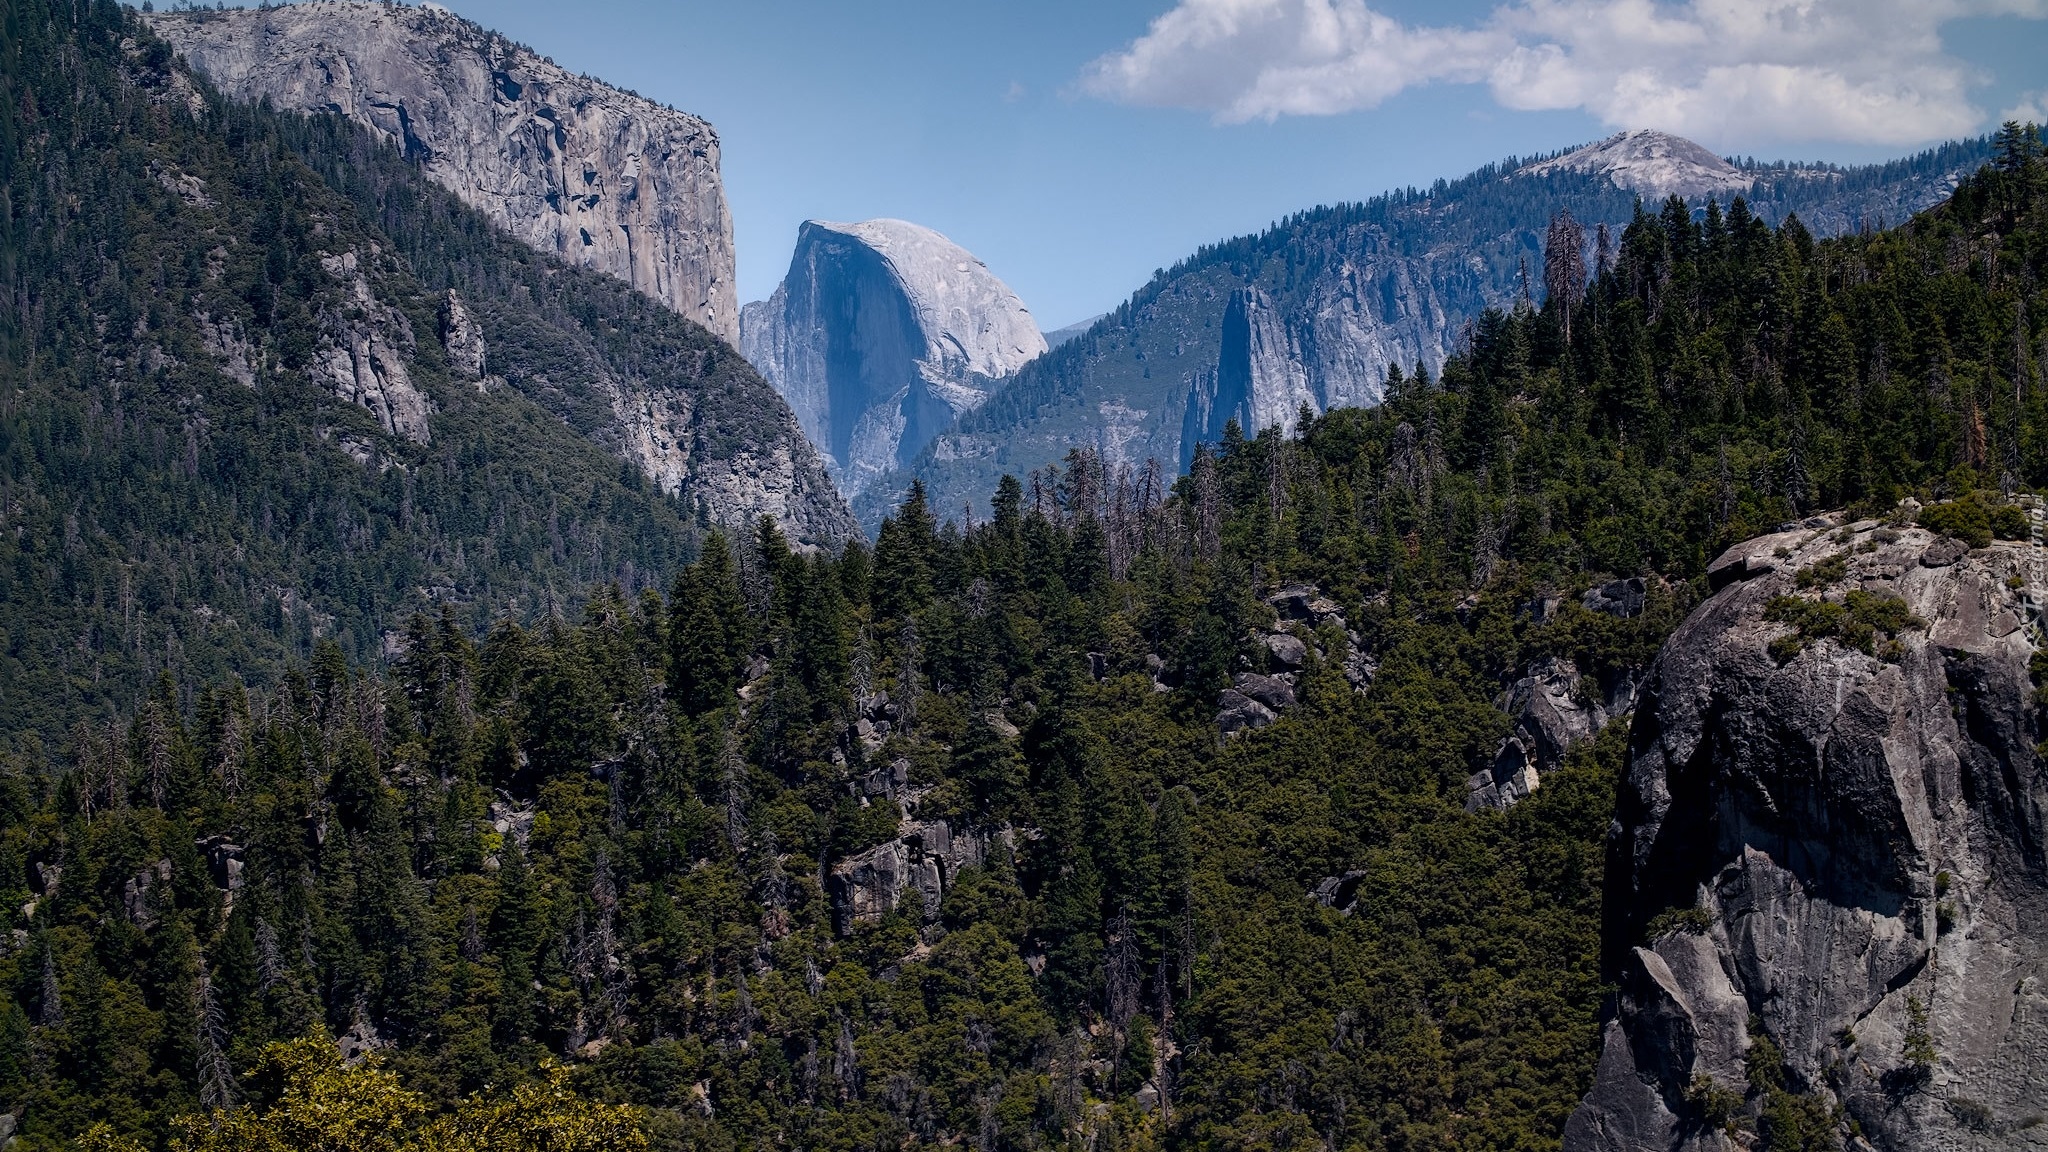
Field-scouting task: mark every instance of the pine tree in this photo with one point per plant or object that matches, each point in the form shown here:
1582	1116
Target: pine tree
904	551
1564	267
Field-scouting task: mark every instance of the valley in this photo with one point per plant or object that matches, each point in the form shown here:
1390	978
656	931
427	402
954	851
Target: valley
1550	661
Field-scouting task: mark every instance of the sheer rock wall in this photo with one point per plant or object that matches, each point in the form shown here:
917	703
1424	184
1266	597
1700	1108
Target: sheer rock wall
572	166
1843	849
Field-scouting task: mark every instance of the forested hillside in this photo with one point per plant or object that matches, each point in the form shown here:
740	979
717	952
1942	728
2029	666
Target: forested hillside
944	841
231	418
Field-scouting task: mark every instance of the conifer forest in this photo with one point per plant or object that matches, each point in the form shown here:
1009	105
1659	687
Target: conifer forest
1132	816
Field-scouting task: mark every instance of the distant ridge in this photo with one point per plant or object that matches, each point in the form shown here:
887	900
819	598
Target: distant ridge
1059	336
1328	300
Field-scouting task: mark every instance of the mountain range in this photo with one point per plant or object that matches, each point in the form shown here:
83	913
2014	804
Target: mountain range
903	356
1319	308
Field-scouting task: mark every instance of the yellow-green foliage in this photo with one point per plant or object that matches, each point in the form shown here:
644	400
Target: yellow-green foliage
325	1105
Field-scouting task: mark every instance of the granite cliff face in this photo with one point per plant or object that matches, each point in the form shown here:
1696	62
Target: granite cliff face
609	362
599	177
1333	352
364	346
1828	861
880	336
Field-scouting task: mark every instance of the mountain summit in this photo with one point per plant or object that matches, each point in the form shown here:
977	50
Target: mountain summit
880	336
1655	164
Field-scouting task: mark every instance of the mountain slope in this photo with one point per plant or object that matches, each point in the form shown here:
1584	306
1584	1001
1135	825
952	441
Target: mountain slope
670	398
1146	823
601	178
1350	292
240	415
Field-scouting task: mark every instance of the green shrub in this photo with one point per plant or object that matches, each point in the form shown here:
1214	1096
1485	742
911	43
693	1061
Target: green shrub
1857	620
1691	921
1787	1120
1919	1040
1975	522
1712	1106
1824	572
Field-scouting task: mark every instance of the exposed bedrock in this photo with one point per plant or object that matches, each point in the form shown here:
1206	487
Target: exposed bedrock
926	858
882	333
573	166
1831	838
1332	349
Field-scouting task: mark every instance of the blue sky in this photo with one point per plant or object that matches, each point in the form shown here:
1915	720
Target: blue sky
991	120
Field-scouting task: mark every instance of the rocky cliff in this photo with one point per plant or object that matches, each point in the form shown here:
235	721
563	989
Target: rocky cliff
576	168
358	425
1827	909
880	336
1335	351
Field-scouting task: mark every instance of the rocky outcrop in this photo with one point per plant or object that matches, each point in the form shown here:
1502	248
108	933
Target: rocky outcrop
1303	606
1294	640
572	166
1831	837
365	343
925	859
1623	599
1554	708
463	337
880	336
1253	701
139	897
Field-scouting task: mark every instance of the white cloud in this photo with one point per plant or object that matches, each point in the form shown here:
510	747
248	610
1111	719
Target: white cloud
2032	109
1730	72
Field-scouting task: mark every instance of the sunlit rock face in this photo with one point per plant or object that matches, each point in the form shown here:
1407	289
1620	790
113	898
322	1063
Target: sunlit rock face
1655	164
1837	846
881	334
572	166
